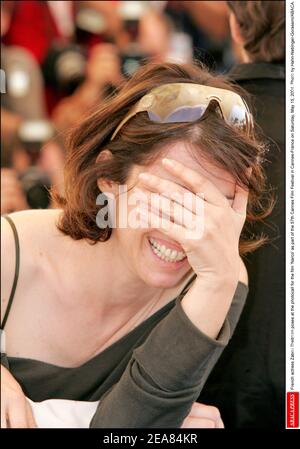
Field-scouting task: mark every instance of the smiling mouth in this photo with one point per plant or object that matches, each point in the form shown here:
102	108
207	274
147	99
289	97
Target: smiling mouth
166	254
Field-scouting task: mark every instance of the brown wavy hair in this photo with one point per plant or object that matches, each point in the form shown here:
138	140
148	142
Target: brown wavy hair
262	26
140	141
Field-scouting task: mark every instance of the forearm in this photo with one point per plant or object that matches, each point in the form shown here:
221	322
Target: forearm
166	373
207	303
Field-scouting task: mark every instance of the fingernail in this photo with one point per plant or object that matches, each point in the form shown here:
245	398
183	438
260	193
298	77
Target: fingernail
168	162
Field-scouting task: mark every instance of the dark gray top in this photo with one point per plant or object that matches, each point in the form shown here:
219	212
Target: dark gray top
148	378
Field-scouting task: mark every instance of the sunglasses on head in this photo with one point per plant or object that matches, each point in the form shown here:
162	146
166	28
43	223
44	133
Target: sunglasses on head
188	102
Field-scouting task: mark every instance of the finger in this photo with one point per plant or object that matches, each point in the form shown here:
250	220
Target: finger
7	172
30	418
183	208
156	203
16	195
198	423
9	182
17	414
196	183
190	228
151	220
240	201
10	191
13	204
220	424
205	411
7	207
174	211
20	204
167	189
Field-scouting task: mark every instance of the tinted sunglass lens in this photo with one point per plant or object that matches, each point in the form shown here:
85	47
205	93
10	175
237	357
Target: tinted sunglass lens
186	114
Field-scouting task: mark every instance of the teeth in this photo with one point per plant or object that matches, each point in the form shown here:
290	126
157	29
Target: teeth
167	254
173	254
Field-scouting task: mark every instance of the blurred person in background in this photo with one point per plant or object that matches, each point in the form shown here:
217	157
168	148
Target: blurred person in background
13	197
66	32
248	383
23	97
85	48
206	23
31	162
102	76
24	90
57	40
81	76
25	167
35	27
149	33
146	36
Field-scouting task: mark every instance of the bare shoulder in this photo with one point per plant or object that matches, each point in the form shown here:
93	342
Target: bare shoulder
36	230
243	272
34	219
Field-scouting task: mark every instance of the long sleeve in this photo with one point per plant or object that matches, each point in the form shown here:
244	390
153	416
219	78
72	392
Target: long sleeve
167	372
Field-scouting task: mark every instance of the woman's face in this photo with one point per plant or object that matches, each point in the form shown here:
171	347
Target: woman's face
133	245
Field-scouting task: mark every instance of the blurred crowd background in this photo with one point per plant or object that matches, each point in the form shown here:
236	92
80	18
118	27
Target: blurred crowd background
61	58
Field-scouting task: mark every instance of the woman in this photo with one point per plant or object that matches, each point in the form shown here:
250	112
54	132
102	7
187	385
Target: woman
138	318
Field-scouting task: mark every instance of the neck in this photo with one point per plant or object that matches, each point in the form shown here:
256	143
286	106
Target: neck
108	283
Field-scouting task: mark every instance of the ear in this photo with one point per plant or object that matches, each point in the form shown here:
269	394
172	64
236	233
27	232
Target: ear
235	30
104	184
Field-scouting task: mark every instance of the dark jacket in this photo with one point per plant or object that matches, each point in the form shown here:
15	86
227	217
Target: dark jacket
248	383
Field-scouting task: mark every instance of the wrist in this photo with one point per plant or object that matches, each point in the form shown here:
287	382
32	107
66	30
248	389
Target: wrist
208	301
217	281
